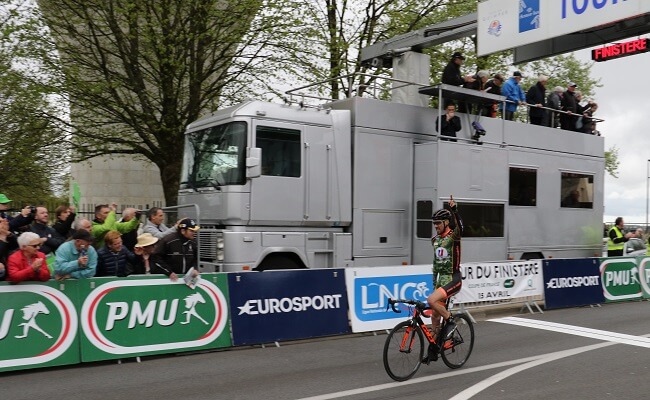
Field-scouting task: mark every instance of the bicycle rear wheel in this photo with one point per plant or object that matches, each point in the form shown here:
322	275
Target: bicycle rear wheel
403	351
457	350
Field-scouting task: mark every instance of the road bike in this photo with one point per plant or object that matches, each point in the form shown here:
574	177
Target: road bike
404	349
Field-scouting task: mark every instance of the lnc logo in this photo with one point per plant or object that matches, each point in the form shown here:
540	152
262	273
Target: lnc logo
373	294
37	324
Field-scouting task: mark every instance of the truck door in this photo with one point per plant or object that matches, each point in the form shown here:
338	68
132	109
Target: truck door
277	195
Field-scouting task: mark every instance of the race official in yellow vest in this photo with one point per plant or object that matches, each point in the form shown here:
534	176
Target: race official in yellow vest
616	240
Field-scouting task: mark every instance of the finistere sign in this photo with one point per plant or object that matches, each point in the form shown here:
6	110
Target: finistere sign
620	50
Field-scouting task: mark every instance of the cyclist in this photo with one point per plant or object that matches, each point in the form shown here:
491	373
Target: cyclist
446	264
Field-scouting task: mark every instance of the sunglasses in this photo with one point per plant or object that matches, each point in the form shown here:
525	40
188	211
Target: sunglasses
36	246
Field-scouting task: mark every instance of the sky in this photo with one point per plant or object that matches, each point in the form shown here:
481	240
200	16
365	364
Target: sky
623	104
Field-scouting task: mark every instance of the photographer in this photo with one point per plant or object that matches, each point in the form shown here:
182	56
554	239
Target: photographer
25	217
450	123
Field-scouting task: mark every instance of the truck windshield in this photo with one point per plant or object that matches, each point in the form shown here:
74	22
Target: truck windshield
215	156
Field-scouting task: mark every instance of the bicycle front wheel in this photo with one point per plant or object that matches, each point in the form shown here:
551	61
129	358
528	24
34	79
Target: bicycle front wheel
457	350
403	351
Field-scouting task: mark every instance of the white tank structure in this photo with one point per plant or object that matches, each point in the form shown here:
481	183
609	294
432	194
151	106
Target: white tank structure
123	180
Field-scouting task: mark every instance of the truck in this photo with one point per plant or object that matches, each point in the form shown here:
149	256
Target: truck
354	182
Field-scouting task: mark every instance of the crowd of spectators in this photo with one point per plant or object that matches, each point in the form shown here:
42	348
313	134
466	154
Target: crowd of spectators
561	108
34	249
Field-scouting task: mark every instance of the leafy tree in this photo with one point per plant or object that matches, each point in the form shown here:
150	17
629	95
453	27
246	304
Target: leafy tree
135	73
611	161
33	147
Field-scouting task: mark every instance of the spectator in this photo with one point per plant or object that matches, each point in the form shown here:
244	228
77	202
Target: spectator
554	101
82	224
28	264
25	217
493	86
65	216
588	124
50	239
536	99
130	238
113	259
154	224
76	258
451	75
5	246
569	104
616	239
639	233
480	80
143	250
514	95
450	123
105	220
177	253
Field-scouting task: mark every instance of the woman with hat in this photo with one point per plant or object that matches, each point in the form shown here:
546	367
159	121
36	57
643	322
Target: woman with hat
143	250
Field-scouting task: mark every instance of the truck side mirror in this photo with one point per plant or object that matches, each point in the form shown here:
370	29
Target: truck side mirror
253	162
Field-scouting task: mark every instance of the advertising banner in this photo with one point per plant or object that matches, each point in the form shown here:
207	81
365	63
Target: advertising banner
572	282
644	275
141	315
369	289
620	279
286	305
38	325
506	24
500	281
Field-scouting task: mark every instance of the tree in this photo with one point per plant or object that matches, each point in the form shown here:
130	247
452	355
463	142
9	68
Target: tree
611	161
34	149
135	73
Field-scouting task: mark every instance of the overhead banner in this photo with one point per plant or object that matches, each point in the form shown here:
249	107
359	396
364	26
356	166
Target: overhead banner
500	281
286	305
38	325
572	282
144	315
369	289
506	24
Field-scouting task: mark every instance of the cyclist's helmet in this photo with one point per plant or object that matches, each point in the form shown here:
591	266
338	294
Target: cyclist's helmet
441	215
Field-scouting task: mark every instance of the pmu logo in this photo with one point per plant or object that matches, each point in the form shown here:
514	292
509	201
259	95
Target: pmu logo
37	325
372	294
528	15
161	316
620	279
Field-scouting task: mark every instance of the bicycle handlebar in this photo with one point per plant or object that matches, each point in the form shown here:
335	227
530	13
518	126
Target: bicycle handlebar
418	304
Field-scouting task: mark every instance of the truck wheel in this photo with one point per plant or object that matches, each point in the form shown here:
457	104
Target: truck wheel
280	261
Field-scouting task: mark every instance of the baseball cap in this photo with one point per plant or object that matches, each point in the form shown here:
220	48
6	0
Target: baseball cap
188	223
4	199
572	84
82	234
457	55
517	73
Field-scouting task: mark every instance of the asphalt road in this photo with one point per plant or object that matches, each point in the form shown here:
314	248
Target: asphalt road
576	353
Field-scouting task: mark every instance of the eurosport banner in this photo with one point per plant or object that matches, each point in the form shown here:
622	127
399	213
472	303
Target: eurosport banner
369	289
500	281
38	325
572	282
620	278
286	305
143	315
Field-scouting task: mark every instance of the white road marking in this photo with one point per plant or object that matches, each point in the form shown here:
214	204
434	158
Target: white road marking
522	364
577	331
415	381
611	338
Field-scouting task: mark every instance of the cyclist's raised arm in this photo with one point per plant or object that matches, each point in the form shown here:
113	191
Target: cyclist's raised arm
458	226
